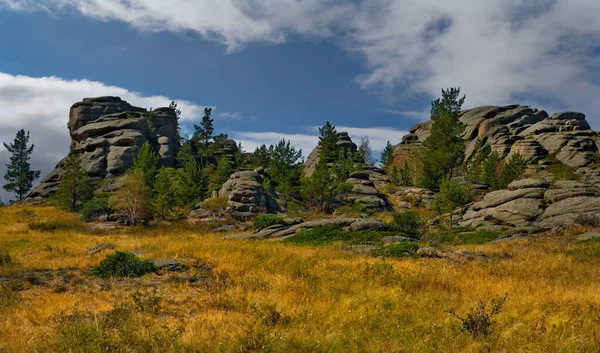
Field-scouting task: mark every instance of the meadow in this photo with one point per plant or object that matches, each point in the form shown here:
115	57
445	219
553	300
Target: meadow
272	296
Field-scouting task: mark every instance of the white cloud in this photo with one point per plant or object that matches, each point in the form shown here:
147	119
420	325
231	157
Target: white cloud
497	51
41	105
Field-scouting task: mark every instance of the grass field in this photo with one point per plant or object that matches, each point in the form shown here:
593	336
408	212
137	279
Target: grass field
271	296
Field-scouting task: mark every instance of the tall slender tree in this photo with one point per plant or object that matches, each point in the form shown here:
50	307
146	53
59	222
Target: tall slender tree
328	148
386	155
148	162
204	132
19	175
74	189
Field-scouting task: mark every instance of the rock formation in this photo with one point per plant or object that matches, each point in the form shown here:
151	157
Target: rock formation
515	128
312	161
364	192
535	203
107	132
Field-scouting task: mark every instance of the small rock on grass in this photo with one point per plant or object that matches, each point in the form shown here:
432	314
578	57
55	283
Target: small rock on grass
99	248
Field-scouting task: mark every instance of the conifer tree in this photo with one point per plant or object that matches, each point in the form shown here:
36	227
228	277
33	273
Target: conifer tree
204	132
444	148
74	190
365	153
147	161
191	186
328	148
224	169
386	155
164	198
19	175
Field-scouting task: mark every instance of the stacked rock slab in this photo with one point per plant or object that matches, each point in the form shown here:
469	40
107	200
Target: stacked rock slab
515	128
106	134
535	203
364	192
344	141
245	193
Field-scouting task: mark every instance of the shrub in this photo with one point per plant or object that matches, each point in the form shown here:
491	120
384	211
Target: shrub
266	220
330	234
408	224
54	226
123	264
216	204
403	249
452	195
479	320
95	208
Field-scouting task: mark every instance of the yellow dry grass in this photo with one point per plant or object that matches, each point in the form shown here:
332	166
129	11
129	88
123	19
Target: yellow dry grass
270	296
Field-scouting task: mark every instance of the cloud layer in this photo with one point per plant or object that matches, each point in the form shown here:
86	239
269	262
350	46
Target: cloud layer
542	52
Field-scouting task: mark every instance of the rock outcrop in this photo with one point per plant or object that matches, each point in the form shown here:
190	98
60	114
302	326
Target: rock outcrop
344	141
515	128
535	203
245	192
106	134
364	192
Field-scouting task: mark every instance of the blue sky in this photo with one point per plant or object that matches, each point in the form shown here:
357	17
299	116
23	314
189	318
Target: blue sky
278	68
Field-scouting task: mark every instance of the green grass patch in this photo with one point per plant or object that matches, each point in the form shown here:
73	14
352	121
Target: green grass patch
559	170
123	264
332	234
586	250
403	249
466	237
266	220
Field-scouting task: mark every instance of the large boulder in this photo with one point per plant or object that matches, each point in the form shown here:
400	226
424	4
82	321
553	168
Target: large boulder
516	129
344	141
106	134
245	192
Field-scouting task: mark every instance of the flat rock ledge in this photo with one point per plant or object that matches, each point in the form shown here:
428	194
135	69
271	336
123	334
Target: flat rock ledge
282	231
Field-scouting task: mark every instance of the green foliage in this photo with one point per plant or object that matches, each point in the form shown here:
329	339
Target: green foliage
215	204
331	234
561	171
123	264
490	169
203	133
479	320
401	176
191	185
53	226
459	236
452	195
95	208
408	224
74	190
223	170
133	199
328	138
386	155
444	148
19	176
164	195
147	162
400	250
266	220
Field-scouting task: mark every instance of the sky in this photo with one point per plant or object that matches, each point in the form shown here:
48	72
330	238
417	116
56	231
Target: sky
274	69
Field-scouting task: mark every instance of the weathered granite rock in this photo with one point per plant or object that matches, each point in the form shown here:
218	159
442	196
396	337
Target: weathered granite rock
106	134
245	192
516	129
364	192
344	141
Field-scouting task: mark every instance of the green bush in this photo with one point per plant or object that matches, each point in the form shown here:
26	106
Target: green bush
462	237
403	249
54	226
408	224
94	208
266	220
330	234
123	264
479	320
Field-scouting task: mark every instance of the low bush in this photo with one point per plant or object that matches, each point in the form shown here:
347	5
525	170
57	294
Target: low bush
266	220
403	249
331	234
95	208
408	224
54	226
123	264
479	320
216	204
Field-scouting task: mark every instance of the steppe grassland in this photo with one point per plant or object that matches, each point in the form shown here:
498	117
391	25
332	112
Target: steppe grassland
271	296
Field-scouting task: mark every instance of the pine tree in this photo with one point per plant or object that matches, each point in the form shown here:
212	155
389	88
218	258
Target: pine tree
224	169
204	132
365	153
147	161
191	185
444	148
284	167
74	190
133	199
386	155
173	105
328	148
164	198
19	175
